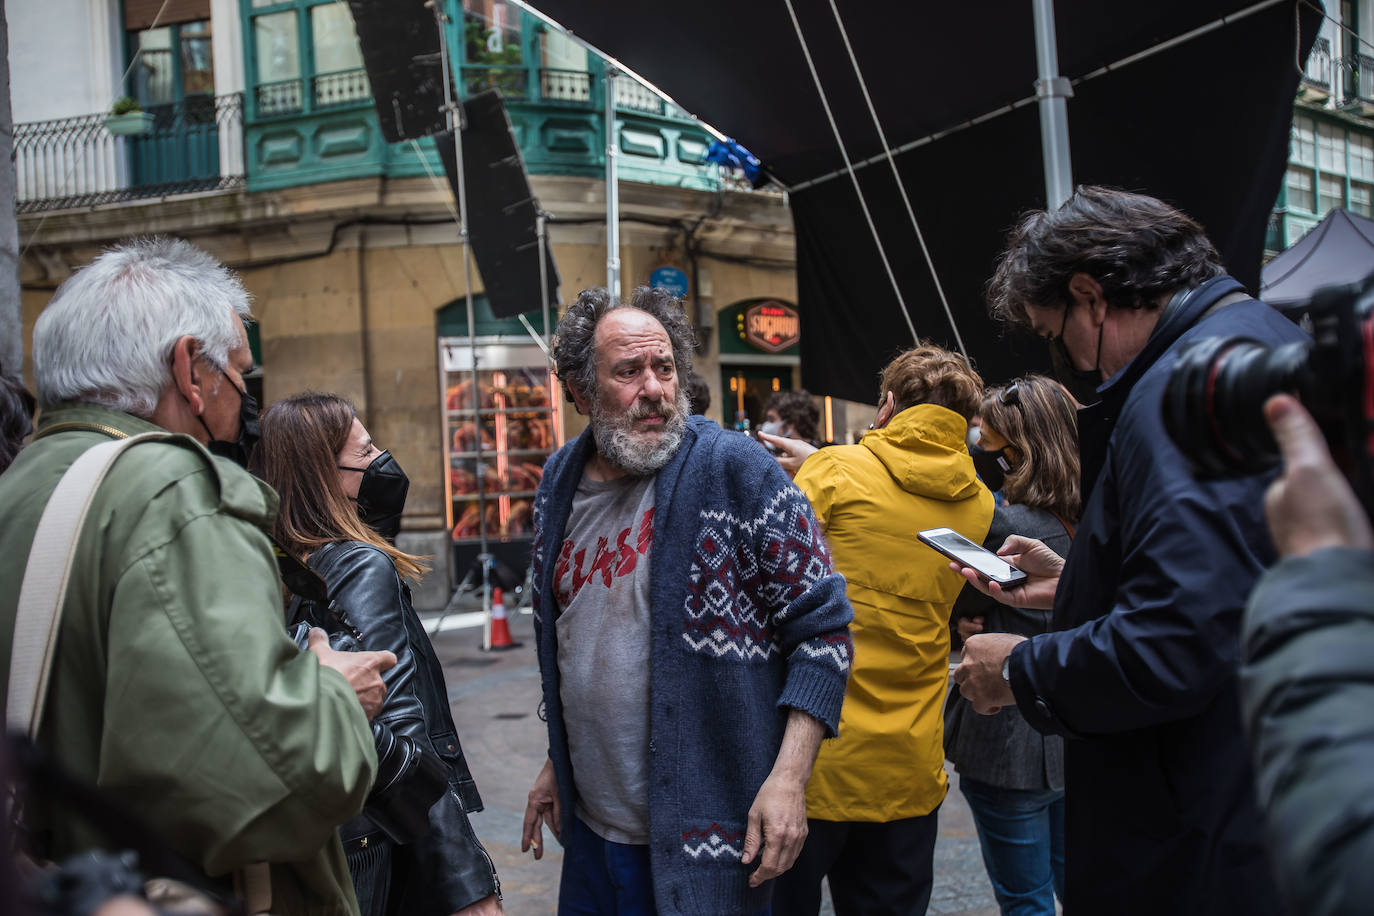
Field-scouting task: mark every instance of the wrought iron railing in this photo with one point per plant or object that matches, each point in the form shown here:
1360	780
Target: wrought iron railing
1357	71
565	85
1273	233
630	94
193	145
512	81
279	98
345	87
1318	69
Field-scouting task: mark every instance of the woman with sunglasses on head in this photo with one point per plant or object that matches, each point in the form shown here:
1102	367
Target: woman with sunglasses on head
1011	775
341	505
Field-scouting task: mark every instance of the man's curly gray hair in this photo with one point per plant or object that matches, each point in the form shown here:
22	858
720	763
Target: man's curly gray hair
574	355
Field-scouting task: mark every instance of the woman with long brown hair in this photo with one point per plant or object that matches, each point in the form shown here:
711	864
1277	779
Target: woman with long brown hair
341	504
1011	775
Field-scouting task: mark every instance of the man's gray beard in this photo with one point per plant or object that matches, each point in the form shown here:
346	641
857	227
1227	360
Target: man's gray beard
623	448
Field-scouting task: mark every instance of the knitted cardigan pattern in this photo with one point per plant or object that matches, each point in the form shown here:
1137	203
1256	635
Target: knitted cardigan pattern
748	620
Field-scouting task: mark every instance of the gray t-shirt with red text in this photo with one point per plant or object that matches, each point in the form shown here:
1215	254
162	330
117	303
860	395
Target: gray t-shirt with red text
601	583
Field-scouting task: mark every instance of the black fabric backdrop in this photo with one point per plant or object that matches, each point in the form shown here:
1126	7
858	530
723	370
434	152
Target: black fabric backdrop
1203	124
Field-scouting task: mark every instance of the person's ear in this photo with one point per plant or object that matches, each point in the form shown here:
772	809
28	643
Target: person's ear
886	410
580	401
185	373
1086	293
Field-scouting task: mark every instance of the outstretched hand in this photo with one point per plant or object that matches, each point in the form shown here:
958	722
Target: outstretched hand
1041	565
1312	505
791	452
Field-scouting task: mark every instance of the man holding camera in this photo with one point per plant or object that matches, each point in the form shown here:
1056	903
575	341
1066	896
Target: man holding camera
174	687
1308	678
1161	815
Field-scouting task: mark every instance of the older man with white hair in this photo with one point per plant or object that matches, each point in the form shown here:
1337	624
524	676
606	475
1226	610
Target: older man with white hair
174	687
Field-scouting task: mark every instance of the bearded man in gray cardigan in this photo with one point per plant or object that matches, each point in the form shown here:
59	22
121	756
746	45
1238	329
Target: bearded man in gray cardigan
692	634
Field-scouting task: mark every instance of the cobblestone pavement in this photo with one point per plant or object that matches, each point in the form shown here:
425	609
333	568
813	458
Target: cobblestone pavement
495	698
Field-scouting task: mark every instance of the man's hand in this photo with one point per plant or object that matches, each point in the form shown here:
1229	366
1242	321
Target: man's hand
1311	506
777	819
1041	565
791	452
979	675
487	906
363	670
969	626
542	808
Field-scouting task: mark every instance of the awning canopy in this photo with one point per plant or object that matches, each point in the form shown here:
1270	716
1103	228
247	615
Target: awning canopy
1339	249
1188	100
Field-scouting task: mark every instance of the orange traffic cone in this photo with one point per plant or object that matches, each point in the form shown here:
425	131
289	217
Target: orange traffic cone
500	625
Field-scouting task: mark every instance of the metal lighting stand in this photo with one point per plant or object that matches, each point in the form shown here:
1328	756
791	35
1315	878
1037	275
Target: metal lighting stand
453	114
612	191
1053	91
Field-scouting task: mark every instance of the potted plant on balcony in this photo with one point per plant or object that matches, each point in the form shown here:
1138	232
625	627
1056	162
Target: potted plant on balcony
127	118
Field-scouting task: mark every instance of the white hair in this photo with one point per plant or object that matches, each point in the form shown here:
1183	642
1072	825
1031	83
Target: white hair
107	336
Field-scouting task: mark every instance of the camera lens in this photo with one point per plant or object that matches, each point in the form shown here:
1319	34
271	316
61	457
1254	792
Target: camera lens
1213	406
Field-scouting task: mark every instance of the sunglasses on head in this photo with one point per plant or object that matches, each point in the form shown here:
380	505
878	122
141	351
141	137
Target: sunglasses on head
1011	395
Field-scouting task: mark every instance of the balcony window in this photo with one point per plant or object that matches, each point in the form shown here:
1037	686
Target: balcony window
1362	198
491	31
563	75
1362	157
1304	143
279	63
493	57
1330	193
1300	190
306	57
172	62
339	74
1331	148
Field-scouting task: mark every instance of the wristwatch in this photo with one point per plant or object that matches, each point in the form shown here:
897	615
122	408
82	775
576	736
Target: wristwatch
1006	668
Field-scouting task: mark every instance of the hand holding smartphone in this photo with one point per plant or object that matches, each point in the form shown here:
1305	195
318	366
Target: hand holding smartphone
961	550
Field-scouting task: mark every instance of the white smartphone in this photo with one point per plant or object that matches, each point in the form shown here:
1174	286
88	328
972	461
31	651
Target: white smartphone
966	553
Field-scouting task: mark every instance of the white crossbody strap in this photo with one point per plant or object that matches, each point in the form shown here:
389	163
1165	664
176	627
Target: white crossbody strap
45	581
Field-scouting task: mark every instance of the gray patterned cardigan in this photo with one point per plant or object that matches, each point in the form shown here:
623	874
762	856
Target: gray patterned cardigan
749	620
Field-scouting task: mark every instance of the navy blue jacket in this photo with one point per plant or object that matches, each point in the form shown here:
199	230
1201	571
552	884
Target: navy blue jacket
1160	802
749	619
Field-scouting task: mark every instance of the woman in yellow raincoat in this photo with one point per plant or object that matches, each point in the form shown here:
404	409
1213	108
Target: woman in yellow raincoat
874	792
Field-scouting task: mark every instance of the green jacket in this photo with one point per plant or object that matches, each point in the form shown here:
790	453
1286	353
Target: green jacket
175	687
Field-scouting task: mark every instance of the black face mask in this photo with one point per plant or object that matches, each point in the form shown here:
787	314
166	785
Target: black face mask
382	495
991	466
1082	383
241	449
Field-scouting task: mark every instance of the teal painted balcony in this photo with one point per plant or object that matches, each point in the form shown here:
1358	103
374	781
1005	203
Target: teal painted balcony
304	127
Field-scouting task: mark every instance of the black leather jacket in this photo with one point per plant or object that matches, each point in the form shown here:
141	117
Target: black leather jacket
448	869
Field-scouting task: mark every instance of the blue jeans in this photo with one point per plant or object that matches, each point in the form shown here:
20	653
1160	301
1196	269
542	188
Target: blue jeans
1022	835
601	878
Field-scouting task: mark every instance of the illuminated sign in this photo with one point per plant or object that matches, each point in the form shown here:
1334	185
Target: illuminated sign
771	326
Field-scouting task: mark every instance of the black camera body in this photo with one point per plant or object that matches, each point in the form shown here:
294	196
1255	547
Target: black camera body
1213	405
